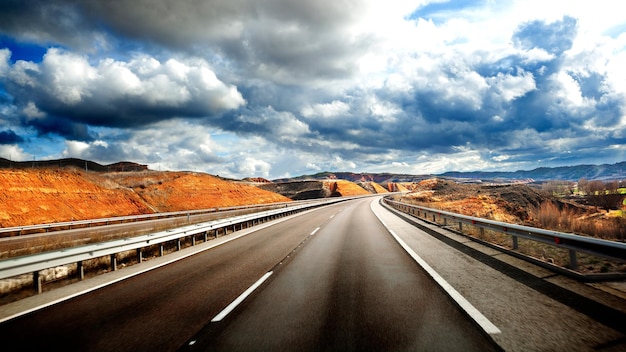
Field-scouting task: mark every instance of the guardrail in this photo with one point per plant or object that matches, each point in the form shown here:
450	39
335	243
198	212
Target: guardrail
573	243
77	255
20	230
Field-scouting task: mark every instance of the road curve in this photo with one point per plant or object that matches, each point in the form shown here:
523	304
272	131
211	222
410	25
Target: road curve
351	288
339	282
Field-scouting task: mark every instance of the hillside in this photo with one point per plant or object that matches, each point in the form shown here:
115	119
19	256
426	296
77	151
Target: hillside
175	191
311	189
44	196
33	196
520	204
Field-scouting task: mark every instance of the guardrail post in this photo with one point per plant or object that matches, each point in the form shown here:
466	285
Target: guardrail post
113	262
80	270
193	240
206	236
515	243
445	221
139	255
482	233
37	282
161	250
178	244
573	262
460	227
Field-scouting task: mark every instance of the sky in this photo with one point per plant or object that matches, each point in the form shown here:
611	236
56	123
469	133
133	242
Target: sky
282	88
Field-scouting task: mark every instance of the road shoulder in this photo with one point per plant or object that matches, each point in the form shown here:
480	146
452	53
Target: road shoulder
514	301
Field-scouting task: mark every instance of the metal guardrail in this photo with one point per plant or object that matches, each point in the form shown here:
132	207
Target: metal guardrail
34	263
121	219
573	243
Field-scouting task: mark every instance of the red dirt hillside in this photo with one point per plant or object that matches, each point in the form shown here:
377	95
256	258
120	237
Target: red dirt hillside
54	195
346	188
176	191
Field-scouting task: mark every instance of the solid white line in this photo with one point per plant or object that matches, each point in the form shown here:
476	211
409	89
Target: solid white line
314	231
241	298
474	313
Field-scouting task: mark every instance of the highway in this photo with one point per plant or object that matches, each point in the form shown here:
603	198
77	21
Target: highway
338	282
352	288
346	277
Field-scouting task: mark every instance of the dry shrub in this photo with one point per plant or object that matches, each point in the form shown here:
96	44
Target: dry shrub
569	219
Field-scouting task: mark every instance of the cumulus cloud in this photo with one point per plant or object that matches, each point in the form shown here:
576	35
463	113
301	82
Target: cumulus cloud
66	93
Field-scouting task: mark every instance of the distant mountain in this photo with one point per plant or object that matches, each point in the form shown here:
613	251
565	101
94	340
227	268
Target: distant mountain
72	162
380	178
567	173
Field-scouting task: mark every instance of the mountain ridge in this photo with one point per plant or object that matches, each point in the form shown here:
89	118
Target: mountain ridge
564	173
561	173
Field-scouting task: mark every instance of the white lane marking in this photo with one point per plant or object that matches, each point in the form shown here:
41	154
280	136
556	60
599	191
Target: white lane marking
314	231
332	216
474	313
241	298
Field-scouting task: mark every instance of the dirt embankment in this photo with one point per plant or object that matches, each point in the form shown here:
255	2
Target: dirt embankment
373	187
343	188
311	189
176	191
47	195
508	203
54	195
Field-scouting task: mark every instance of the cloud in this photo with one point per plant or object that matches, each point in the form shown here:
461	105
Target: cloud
275	87
66	93
555	38
9	137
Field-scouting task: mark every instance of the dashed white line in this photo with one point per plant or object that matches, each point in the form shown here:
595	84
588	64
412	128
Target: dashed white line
314	231
241	298
474	313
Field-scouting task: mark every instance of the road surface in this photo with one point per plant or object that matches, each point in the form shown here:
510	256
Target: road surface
338	281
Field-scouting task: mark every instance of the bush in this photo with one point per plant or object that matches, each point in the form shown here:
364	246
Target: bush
550	216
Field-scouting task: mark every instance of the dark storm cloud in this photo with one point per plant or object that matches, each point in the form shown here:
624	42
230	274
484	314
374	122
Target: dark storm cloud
277	40
10	137
281	39
47	22
62	127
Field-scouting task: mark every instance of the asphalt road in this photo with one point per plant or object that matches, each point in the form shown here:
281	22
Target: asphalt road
351	288
339	282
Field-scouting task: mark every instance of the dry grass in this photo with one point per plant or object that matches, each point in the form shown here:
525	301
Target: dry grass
558	216
593	224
